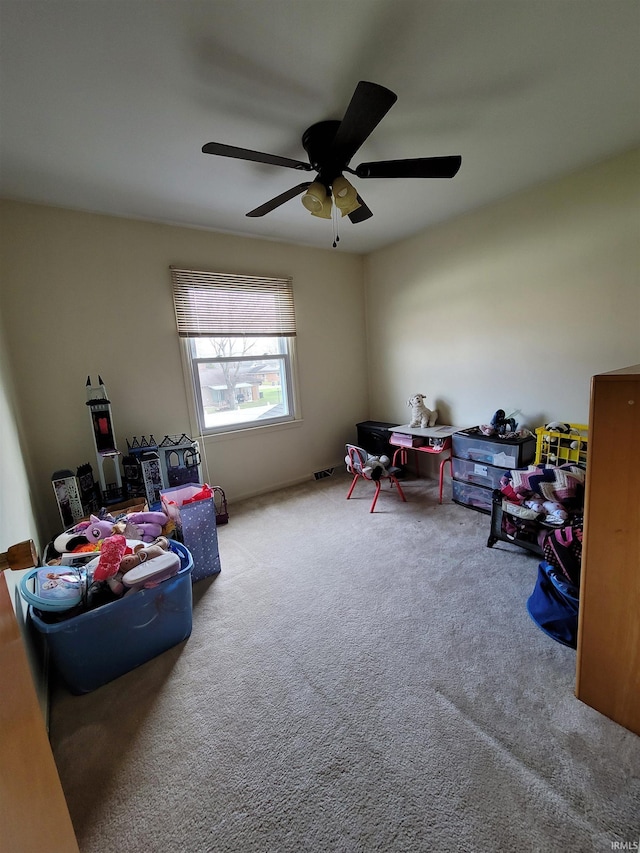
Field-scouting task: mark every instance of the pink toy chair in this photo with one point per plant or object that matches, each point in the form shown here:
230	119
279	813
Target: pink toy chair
356	461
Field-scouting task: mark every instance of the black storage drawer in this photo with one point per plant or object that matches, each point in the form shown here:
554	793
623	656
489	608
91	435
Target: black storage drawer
374	437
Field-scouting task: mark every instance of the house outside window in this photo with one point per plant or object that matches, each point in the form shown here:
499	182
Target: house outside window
238	334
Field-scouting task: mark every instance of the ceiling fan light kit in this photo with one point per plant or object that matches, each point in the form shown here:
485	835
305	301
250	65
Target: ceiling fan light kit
330	145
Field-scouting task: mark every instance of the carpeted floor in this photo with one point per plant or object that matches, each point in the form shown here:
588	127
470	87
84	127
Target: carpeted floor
353	682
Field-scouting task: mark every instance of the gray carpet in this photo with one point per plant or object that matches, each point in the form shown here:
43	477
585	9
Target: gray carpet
353	682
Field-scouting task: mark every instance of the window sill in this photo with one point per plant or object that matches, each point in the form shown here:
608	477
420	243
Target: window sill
250	432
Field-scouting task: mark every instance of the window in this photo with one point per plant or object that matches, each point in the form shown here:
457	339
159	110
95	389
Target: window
238	334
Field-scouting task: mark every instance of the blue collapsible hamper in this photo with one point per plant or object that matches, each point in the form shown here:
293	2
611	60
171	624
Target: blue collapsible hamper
102	644
553	605
196	527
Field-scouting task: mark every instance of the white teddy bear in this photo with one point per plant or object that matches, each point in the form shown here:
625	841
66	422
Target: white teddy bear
420	415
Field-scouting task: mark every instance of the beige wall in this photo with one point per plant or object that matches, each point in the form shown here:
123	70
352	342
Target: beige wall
17	521
85	294
515	306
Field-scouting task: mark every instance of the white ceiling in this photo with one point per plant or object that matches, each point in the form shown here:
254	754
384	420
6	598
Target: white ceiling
105	104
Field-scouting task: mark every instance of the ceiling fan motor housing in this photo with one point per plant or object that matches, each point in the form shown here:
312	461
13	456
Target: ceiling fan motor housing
317	141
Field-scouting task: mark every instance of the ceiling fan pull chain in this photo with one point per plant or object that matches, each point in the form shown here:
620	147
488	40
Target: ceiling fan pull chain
334	217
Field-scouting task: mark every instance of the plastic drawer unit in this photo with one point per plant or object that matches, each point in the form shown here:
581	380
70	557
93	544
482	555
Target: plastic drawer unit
479	461
501	452
477	473
102	644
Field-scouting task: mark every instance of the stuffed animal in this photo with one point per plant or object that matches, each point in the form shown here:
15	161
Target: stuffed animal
556	514
149	565
535	503
558	426
116	559
111	554
565	429
141	553
99	529
146	526
421	416
376	467
553	512
86	535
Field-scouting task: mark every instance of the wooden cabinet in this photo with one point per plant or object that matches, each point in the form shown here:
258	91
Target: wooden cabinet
608	657
34	811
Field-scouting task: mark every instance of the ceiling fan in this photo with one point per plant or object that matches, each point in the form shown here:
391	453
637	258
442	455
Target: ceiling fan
330	145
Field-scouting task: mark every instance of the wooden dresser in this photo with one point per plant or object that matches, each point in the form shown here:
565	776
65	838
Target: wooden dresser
608	655
34	812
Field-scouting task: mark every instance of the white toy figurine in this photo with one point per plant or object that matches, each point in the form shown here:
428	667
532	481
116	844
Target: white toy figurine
420	415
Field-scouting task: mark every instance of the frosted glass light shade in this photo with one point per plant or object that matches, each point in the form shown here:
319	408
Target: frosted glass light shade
345	195
315	197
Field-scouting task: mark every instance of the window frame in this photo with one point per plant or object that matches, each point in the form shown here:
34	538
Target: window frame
210	305
285	357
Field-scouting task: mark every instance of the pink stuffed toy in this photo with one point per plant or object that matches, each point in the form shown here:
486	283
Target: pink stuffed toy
111	554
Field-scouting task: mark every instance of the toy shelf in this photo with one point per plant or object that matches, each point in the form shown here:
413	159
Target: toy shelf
559	448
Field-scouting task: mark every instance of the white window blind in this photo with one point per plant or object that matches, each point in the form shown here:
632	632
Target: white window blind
211	304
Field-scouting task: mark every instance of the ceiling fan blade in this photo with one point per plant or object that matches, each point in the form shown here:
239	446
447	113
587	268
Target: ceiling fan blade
361	213
268	206
420	167
368	106
254	156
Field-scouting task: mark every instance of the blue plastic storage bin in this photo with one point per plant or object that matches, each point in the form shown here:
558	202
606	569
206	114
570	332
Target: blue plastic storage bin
102	644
